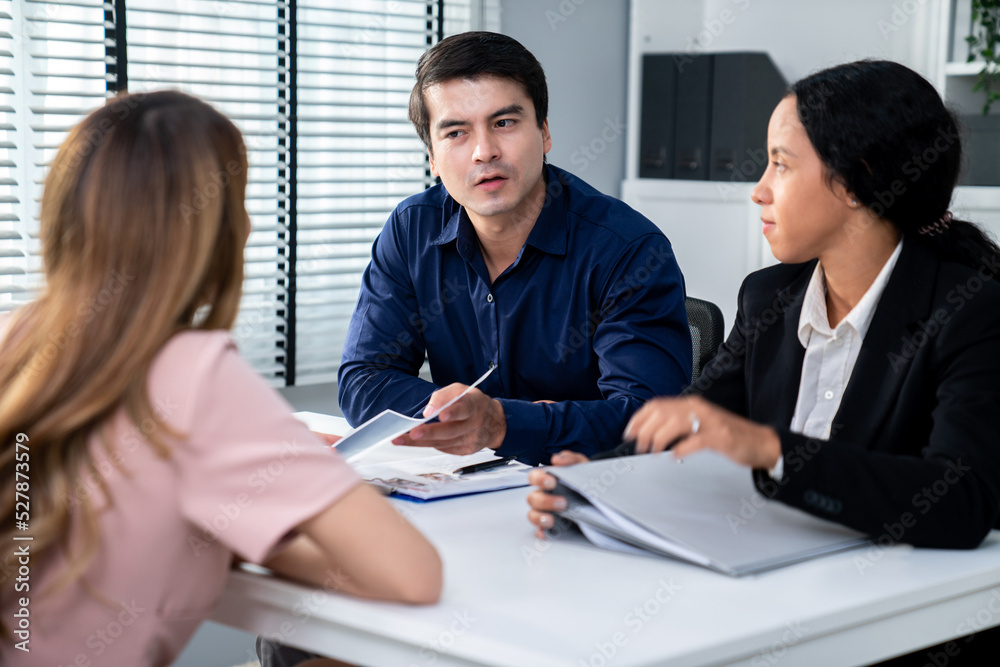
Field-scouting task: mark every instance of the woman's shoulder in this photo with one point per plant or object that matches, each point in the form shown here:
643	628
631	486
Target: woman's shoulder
193	351
782	282
968	294
189	366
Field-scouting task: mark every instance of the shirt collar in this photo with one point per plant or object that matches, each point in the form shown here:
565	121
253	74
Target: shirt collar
548	234
813	316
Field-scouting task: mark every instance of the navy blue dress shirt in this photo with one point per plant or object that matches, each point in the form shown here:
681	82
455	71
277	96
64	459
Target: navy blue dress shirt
590	315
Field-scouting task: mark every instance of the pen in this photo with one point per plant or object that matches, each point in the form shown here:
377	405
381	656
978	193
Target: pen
480	467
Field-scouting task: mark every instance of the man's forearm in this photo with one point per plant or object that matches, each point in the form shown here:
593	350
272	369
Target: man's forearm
535	431
365	390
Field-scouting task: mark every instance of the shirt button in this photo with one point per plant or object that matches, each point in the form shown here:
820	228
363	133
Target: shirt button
828	395
492	365
489	298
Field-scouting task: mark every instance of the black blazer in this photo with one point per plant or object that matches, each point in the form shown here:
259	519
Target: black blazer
914	452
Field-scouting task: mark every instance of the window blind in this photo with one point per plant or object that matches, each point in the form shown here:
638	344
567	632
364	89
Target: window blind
230	54
358	155
318	87
53	71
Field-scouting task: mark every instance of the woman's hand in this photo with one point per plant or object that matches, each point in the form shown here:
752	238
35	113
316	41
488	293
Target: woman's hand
543	503
697	424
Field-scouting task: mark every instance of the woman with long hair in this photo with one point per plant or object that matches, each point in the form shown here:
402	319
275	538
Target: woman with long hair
861	380
138	451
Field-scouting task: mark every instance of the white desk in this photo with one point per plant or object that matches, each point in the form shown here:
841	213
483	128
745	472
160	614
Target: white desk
510	600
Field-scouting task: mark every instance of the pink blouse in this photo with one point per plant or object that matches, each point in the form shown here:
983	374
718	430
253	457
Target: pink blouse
241	476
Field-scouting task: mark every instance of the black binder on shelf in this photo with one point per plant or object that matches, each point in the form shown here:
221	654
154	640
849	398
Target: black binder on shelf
745	89
658	120
694	118
705	116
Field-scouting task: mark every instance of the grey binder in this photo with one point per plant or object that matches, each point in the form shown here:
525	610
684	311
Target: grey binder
704	510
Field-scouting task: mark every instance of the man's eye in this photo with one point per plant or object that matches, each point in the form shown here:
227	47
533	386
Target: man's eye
504	123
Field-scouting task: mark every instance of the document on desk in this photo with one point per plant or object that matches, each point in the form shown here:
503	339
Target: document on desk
435	477
704	510
387	425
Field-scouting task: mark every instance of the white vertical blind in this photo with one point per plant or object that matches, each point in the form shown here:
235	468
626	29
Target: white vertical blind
358	155
227	53
356	152
52	73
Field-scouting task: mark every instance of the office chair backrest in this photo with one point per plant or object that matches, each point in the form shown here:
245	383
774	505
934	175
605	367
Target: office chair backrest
707	330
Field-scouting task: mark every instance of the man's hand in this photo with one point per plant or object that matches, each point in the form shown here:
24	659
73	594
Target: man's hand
473	422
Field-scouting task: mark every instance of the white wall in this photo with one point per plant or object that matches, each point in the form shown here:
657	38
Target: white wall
583	46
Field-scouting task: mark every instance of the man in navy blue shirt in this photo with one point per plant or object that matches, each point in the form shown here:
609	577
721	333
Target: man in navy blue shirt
574	297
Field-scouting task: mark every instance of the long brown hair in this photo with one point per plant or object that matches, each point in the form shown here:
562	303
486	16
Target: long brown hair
143	225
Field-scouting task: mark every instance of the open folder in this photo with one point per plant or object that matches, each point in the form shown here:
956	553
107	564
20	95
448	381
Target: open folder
704	510
436	477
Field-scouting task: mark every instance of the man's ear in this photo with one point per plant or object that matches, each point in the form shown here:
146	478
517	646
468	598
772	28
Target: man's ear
546	137
430	158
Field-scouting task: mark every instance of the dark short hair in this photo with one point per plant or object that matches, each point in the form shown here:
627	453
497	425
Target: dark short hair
884	133
471	55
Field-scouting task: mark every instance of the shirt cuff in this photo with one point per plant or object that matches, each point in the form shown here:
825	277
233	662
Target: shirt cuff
777	473
527	431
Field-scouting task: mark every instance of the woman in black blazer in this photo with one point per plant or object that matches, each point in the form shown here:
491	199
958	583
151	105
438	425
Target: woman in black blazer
861	381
